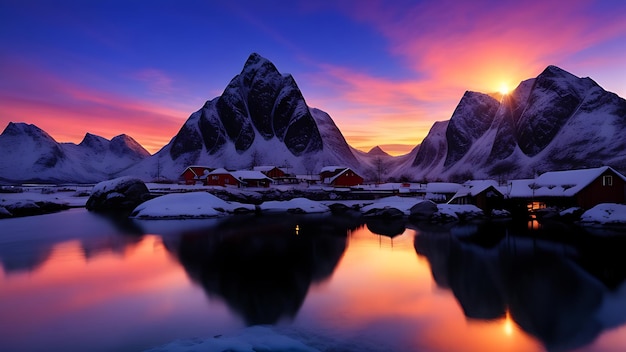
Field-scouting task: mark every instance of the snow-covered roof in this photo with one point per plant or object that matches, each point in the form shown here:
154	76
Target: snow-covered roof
195	168
250	175
558	183
332	179
473	188
220	171
332	168
442	187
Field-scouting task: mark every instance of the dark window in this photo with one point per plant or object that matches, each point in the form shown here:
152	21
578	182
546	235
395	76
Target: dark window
607	180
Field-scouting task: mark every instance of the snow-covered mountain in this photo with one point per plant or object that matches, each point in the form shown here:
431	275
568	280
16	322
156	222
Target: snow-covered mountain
555	121
260	119
552	122
30	154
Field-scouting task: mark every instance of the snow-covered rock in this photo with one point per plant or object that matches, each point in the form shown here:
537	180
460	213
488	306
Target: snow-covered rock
606	213
192	205
423	210
452	212
401	204
4	213
121	194
296	205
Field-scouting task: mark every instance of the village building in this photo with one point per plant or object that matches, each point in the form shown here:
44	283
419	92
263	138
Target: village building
340	176
439	192
243	178
584	188
482	193
278	175
251	178
222	177
273	172
195	174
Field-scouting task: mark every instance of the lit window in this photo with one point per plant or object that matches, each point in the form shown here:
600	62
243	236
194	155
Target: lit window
607	180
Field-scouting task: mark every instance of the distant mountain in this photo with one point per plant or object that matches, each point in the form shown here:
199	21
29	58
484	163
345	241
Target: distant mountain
29	154
260	119
555	121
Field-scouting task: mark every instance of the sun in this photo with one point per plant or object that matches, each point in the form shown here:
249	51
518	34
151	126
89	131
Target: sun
504	89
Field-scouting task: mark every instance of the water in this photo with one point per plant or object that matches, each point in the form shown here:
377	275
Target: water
77	281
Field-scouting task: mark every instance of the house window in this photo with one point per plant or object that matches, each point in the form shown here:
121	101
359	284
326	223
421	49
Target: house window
607	180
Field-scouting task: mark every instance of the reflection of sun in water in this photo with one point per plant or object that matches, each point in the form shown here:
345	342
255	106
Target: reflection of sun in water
508	324
504	89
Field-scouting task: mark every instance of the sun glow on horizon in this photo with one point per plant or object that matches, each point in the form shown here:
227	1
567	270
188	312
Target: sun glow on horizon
504	89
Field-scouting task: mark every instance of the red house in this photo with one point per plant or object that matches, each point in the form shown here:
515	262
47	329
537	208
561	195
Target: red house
271	171
195	173
252	178
583	188
222	177
340	176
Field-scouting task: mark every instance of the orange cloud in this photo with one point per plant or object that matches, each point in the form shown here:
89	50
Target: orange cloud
452	47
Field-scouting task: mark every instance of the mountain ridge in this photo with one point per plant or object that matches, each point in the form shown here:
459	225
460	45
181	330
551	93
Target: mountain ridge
551	122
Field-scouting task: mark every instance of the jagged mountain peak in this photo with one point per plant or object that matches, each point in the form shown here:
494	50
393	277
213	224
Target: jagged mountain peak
125	145
259	104
94	142
21	128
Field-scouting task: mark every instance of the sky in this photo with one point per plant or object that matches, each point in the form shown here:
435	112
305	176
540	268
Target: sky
385	71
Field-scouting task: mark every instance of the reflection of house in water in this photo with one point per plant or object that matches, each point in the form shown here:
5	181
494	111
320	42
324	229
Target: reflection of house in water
262	268
559	293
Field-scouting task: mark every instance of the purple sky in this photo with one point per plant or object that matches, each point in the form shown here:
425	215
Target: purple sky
384	70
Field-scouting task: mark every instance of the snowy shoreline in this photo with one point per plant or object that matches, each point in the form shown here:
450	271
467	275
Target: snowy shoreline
192	202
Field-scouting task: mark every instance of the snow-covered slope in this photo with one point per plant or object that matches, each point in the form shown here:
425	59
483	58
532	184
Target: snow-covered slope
30	154
555	121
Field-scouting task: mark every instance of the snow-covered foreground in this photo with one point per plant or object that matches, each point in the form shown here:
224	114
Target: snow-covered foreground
251	339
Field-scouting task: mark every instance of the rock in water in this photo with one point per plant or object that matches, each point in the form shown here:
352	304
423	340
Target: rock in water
122	194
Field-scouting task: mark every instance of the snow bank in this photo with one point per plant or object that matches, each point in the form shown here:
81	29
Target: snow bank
606	213
296	205
457	212
252	339
193	205
402	204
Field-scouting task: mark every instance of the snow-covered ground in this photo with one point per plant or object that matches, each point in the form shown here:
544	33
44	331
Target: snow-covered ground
191	205
251	339
605	214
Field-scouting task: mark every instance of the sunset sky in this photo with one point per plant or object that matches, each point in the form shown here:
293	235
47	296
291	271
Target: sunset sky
383	70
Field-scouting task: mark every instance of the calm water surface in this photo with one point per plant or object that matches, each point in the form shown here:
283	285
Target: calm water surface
77	281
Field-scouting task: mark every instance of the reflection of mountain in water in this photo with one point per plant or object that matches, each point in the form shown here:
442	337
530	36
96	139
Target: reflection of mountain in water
262	266
550	288
28	243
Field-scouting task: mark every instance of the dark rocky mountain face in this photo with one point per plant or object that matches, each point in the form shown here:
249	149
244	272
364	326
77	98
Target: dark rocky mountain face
257	103
552	122
472	118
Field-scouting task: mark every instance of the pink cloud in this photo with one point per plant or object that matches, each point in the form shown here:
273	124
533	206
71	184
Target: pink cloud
68	110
